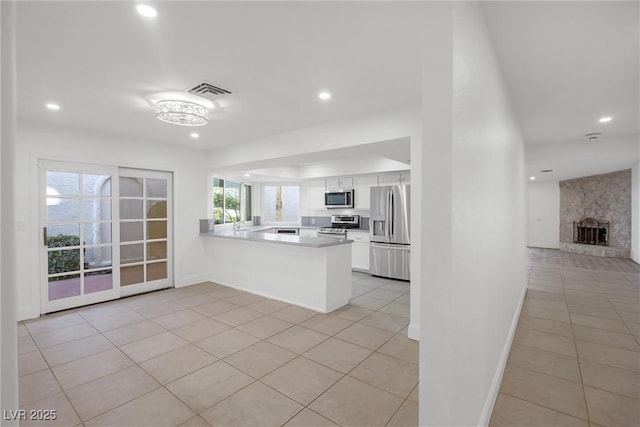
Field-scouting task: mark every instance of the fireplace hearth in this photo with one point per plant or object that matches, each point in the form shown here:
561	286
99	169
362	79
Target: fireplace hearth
590	231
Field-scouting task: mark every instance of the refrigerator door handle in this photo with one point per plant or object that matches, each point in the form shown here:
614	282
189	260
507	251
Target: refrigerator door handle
392	210
388	213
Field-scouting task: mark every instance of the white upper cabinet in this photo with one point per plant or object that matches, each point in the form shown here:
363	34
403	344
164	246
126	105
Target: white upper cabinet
337	183
395	178
360	183
316	193
362	190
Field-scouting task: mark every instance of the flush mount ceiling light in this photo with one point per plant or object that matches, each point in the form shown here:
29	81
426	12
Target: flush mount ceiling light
146	11
52	106
183	113
195	135
605	119
325	96
532	178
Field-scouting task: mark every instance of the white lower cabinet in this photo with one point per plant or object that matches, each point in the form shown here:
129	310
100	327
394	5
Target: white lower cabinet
309	232
359	249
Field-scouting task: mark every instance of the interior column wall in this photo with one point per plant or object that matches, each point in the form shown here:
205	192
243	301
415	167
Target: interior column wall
8	329
474	262
635	212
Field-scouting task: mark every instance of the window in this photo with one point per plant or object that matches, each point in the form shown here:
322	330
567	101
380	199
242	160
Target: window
231	201
281	203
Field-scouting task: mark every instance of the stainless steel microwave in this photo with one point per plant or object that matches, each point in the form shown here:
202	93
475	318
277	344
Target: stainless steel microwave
339	199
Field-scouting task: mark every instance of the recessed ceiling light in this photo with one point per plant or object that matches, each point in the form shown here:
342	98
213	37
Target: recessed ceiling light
324	96
52	106
195	135
532	178
146	11
247	175
605	119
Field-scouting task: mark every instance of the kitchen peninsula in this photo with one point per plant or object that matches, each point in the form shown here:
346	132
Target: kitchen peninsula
311	272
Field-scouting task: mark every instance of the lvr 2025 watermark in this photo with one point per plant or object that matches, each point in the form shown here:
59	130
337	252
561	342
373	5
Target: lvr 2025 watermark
32	414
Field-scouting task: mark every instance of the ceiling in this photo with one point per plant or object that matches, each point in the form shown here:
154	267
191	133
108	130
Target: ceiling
102	60
566	65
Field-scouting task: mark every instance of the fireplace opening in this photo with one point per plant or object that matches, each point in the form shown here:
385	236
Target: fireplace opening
590	231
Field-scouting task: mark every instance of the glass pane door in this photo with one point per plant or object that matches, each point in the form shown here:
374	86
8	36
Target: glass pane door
145	230
77	235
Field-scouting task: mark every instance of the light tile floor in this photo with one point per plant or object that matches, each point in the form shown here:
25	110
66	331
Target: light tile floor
211	355
575	360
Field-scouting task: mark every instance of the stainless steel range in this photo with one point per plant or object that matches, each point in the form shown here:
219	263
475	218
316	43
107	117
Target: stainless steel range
339	226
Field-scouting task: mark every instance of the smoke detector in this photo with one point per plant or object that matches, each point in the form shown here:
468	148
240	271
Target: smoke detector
592	137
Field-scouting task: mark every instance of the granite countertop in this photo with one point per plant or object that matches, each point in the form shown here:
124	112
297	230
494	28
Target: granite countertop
254	235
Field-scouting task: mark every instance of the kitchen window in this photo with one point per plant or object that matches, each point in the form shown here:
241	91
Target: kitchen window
281	203
231	201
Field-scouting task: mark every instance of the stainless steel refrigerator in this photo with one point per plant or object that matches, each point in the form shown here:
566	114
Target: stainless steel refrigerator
389	253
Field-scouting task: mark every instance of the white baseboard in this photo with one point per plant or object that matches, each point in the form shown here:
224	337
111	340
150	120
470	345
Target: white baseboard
191	280
414	331
27	313
487	410
544	245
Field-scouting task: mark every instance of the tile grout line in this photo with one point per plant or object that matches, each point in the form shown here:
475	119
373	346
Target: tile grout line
393	333
575	345
63	391
543	406
621	319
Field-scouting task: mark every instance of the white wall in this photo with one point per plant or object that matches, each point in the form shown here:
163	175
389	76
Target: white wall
8	330
51	143
384	126
474	233
635	212
544	214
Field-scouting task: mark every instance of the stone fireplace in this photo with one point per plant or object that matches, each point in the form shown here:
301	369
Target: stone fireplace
595	215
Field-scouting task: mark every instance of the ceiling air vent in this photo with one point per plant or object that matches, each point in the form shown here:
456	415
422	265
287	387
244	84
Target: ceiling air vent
207	89
546	170
592	137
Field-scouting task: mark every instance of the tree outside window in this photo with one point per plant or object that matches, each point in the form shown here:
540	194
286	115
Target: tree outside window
228	201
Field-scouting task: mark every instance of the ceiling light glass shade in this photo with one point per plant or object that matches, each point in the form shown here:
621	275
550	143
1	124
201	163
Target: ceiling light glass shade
182	113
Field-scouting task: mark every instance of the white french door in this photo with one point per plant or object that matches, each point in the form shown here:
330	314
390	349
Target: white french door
107	232
78	224
146	230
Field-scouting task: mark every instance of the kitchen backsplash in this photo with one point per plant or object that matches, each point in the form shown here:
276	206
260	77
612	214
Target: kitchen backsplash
316	221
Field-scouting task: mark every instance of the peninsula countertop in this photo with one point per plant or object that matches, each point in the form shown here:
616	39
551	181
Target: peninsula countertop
287	239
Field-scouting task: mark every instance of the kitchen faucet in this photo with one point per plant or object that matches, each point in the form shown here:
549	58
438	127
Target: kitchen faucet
236	225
